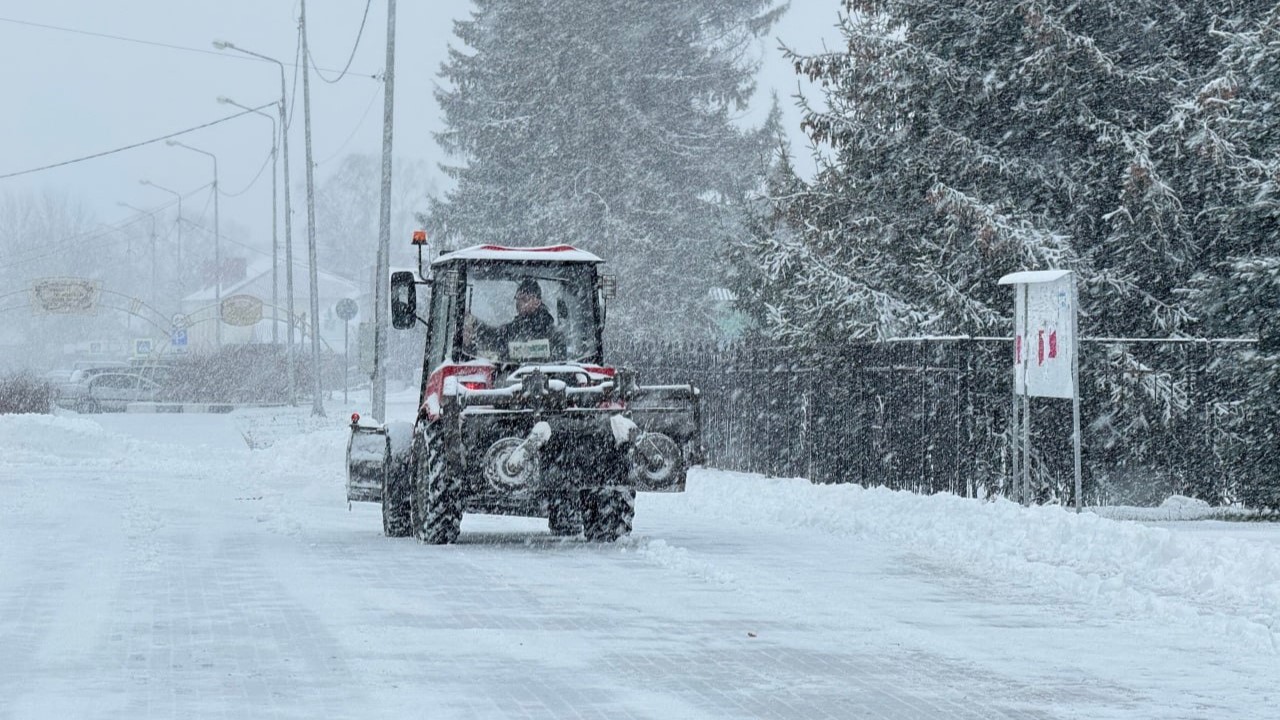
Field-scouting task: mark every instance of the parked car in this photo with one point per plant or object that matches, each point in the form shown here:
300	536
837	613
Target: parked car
110	392
73	389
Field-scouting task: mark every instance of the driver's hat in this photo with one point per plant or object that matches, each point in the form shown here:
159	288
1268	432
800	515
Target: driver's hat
529	286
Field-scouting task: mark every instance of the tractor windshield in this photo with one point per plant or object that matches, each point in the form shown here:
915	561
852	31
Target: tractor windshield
530	313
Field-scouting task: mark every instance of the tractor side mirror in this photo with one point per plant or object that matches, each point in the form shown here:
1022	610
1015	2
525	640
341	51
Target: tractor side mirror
404	300
608	286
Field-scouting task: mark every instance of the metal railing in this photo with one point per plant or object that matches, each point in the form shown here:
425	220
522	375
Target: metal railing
1160	417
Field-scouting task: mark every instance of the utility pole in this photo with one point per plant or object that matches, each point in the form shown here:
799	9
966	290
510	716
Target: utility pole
290	371
152	217
178	195
378	383
154	276
217	239
317	406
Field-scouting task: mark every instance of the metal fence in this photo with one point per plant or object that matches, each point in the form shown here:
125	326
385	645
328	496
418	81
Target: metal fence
933	415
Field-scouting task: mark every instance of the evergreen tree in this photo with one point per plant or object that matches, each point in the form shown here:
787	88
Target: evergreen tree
969	138
1231	133
608	125
964	139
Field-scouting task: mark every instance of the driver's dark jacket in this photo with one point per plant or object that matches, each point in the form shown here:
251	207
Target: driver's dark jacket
537	325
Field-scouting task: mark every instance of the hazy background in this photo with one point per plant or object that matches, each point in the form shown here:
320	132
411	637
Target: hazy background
71	94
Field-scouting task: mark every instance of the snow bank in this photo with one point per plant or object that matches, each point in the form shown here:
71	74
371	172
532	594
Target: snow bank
321	453
1228	586
62	441
1175	508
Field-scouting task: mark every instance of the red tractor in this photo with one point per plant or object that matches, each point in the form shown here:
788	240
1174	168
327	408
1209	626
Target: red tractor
519	413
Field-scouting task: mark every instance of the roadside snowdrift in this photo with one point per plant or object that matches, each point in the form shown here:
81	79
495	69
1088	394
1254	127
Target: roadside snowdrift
70	441
1228	586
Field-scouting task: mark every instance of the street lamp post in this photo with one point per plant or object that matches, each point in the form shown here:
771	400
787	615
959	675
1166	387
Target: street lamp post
178	195
217	241
317	406
288	211
152	217
378	382
275	241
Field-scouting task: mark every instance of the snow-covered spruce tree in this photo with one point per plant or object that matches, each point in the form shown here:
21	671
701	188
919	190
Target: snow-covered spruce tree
963	139
1231	135
609	125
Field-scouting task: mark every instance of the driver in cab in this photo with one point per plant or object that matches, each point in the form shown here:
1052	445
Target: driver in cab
532	323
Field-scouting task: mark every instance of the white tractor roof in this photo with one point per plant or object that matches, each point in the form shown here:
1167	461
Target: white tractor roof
545	253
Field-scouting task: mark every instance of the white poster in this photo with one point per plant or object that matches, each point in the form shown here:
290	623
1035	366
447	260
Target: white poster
1044	335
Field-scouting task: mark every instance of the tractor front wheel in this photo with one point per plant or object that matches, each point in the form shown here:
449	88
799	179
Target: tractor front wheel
608	512
564	516
396	491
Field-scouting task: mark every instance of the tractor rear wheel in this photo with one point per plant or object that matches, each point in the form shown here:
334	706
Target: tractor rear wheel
437	487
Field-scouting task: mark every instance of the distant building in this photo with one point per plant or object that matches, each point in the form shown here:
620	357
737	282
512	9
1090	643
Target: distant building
249	314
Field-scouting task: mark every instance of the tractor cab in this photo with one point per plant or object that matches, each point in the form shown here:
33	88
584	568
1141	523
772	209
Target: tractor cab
508	308
496	311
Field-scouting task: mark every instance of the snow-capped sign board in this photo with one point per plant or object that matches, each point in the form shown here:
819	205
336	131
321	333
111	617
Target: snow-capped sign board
1044	333
1045	360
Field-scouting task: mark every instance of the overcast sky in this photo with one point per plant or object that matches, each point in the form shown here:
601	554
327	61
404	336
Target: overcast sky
72	94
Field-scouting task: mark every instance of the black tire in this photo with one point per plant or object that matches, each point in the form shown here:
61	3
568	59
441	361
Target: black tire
437	488
564	517
608	512
397	518
88	406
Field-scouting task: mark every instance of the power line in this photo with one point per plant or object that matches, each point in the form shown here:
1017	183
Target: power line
356	129
69	244
359	34
252	182
201	228
134	145
293	94
139	41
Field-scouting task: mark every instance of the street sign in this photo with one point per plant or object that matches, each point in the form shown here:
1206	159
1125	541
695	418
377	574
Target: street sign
346	308
1044	335
241	310
142	346
178	338
65	296
1046	360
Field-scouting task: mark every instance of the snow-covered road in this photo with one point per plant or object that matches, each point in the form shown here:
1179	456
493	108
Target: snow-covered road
154	566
